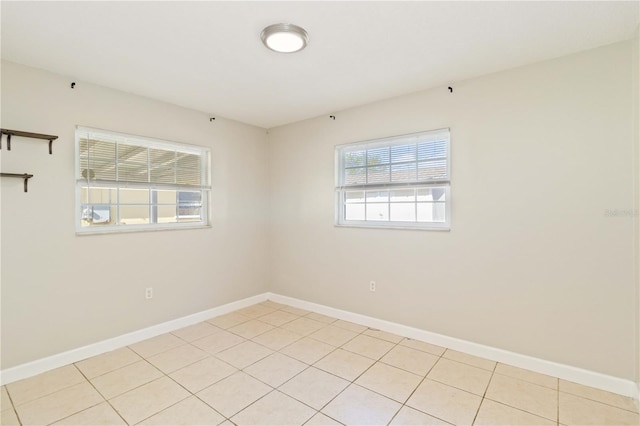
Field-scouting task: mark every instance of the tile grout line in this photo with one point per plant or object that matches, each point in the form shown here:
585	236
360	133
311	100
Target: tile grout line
13	406
163	374
395	344
320	359
269	393
598	401
322	414
207	404
209	355
115	369
52	393
308	366
99	393
167	375
420	384
353	382
177	402
136	387
242	370
484	394
279	327
558	403
519	408
557	389
378	360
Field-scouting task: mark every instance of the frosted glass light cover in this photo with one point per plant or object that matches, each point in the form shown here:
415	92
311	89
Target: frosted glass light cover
284	38
285	42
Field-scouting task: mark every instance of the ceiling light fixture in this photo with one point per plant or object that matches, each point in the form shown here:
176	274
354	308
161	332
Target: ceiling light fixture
284	38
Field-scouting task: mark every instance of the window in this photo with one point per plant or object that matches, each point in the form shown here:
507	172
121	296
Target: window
129	183
396	182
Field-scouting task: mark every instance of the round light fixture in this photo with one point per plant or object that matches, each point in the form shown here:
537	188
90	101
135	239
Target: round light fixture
284	38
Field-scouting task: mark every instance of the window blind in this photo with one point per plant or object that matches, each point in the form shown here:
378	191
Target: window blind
417	158
109	159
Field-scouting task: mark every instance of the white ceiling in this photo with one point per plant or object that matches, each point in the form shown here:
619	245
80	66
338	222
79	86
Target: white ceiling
208	55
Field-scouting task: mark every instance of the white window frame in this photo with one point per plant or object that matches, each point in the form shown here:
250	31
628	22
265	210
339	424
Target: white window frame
341	187
82	182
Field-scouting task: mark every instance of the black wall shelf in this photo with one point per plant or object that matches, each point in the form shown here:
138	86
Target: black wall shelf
19	133
25	176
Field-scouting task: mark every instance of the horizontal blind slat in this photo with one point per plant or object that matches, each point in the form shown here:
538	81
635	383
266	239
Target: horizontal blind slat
414	158
141	185
113	160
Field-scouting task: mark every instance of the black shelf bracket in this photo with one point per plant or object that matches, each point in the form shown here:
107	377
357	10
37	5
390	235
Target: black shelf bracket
19	133
25	176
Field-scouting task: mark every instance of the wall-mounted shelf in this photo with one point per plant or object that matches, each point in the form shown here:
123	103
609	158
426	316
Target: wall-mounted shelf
10	133
25	176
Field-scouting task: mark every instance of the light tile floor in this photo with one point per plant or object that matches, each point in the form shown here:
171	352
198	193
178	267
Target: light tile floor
271	364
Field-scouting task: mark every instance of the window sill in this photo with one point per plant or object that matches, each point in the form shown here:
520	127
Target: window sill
446	228
133	228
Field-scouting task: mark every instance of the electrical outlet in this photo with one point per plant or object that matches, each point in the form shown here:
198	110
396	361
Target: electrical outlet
372	286
148	293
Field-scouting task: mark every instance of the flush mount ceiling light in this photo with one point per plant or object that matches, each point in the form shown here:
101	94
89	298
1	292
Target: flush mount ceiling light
284	38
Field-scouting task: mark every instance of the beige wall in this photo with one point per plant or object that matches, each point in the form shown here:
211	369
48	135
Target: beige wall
61	291
531	264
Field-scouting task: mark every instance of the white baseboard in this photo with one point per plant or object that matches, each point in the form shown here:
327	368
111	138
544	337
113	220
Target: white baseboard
32	368
567	372
563	371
